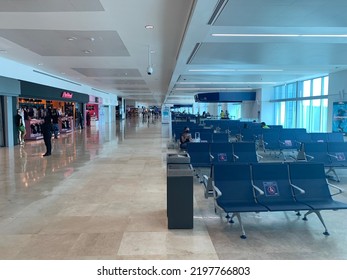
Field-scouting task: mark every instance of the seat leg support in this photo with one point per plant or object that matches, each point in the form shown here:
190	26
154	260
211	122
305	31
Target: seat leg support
319	217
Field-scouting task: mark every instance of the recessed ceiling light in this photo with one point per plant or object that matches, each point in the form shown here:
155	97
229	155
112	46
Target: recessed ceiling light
40	64
149	26
87	51
71	38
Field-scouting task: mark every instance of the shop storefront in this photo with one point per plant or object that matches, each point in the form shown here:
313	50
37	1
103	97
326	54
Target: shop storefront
35	99
9	90
92	111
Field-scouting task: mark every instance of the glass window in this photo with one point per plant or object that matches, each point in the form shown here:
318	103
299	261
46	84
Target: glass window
311	112
324	114
234	110
325	85
291	90
280	92
306	88
317	87
290	117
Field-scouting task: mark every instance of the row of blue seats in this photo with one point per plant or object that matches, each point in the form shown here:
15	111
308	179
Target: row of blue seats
277	140
287	139
235	124
204	154
332	155
266	187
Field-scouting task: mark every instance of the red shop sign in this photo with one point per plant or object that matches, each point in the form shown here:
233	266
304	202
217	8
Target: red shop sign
66	94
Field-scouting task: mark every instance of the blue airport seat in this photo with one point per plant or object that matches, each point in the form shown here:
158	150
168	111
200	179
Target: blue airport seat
234	192
199	154
245	152
319	137
221	137
270	140
316	152
221	152
249	134
311	178
301	136
335	137
337	151
206	135
273	180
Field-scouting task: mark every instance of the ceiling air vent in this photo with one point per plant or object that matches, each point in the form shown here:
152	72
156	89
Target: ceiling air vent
219	8
195	50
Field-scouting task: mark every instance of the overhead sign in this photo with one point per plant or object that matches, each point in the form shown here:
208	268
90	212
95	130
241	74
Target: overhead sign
234	96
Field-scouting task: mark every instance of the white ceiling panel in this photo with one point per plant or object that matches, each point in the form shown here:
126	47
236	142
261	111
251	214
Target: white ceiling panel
103	44
50	5
67	43
288	13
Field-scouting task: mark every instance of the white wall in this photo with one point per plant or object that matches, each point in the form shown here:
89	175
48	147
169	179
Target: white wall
212	108
249	110
267	110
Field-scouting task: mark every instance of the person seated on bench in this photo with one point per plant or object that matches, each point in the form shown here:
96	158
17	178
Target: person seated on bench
185	138
264	125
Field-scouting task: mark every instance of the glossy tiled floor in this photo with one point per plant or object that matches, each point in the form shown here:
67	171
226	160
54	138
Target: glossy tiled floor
102	195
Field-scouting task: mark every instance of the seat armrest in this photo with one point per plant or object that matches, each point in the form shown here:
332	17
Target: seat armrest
311	157
259	156
235	156
258	190
217	192
339	190
333	156
298	188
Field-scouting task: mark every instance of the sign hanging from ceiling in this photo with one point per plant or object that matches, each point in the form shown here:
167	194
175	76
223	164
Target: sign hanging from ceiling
234	96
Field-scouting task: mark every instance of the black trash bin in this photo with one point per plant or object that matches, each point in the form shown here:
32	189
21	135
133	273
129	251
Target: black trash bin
180	196
178	158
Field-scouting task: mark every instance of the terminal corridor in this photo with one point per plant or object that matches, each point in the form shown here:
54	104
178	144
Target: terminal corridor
102	195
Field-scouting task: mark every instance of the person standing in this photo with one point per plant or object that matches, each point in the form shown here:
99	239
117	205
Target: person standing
20	126
47	132
55	119
79	119
88	118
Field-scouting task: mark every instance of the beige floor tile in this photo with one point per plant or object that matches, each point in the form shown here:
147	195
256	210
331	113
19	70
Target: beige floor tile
96	245
102	195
